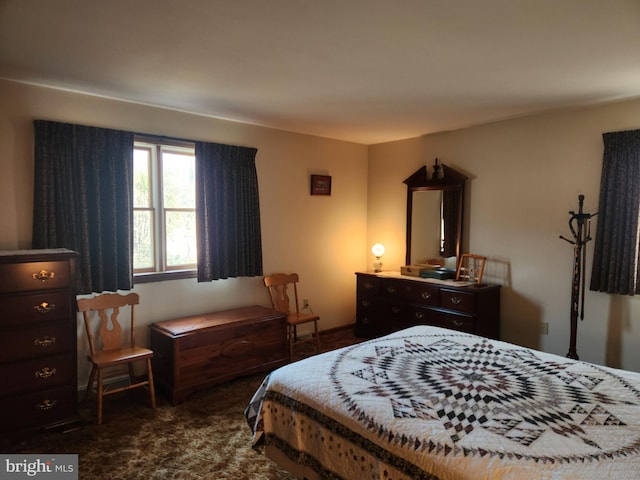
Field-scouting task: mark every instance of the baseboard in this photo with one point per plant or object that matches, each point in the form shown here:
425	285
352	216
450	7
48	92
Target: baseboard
351	326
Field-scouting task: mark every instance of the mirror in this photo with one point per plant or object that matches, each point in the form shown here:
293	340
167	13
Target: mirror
434	213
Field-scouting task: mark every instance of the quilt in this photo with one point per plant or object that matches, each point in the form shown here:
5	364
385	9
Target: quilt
431	403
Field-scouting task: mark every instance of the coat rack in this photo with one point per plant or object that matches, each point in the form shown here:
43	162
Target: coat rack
580	226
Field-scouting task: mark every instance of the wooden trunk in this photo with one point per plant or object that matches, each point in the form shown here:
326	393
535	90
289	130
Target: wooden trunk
197	352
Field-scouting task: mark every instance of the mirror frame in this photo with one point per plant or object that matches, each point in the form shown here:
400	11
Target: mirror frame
448	179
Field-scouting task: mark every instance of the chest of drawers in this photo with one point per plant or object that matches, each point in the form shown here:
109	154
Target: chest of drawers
200	351
388	302
37	339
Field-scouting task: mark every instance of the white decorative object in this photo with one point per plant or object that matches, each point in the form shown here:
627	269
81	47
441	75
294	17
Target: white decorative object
378	251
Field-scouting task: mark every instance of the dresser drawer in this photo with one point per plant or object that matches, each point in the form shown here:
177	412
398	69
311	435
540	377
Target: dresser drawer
372	324
37	374
48	339
452	321
20	309
19	277
422	293
457	300
37	408
368	286
439	318
410	291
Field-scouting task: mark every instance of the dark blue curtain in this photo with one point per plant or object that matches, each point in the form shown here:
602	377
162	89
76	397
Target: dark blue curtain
615	260
83	200
227	212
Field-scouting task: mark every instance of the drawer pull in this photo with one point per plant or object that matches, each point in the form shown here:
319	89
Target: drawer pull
419	315
456	300
368	285
458	323
45	307
365	303
46	405
46	372
391	289
43	275
426	295
44	342
395	310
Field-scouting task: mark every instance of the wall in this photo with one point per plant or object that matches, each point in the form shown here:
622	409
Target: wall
524	178
322	238
525	175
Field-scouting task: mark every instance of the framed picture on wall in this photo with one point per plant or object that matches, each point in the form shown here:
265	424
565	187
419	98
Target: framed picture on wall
320	185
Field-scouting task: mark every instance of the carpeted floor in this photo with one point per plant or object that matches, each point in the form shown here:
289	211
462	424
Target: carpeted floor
206	437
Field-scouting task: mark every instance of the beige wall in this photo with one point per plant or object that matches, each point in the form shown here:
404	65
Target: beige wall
525	175
322	238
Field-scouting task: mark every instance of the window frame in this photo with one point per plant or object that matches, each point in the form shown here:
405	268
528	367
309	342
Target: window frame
160	271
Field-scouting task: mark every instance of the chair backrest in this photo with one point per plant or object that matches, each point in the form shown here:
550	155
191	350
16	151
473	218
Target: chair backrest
278	284
471	267
108	305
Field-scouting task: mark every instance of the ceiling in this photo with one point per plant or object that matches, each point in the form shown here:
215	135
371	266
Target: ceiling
366	71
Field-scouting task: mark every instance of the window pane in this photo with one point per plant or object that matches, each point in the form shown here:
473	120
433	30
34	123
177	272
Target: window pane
143	253
141	177
181	238
178	180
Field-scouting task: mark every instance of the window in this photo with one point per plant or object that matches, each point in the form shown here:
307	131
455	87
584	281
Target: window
148	229
164	213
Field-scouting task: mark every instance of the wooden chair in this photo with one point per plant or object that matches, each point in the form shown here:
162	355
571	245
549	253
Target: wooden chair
109	348
471	267
278	284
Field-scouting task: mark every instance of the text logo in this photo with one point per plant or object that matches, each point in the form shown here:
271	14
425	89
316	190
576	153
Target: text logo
40	466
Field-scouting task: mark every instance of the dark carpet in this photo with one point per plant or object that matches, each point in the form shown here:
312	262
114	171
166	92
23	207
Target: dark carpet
206	437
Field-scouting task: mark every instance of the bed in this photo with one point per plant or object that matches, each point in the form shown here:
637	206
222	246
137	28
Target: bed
431	403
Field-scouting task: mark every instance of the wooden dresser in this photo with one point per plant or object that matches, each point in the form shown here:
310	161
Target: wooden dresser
197	352
37	339
388	302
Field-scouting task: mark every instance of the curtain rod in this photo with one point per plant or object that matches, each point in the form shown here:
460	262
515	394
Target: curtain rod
162	139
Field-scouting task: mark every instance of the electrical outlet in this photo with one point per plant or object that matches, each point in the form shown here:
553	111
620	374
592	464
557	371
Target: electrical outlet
544	328
305	303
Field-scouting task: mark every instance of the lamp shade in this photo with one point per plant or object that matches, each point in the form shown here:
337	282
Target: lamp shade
378	250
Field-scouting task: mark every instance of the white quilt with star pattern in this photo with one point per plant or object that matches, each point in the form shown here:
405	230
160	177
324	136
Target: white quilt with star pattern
431	403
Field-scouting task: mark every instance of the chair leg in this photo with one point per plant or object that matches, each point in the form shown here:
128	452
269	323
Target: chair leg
132	375
92	378
152	390
315	324
100	387
291	339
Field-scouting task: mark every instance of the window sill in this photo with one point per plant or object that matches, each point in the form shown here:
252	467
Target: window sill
163	276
